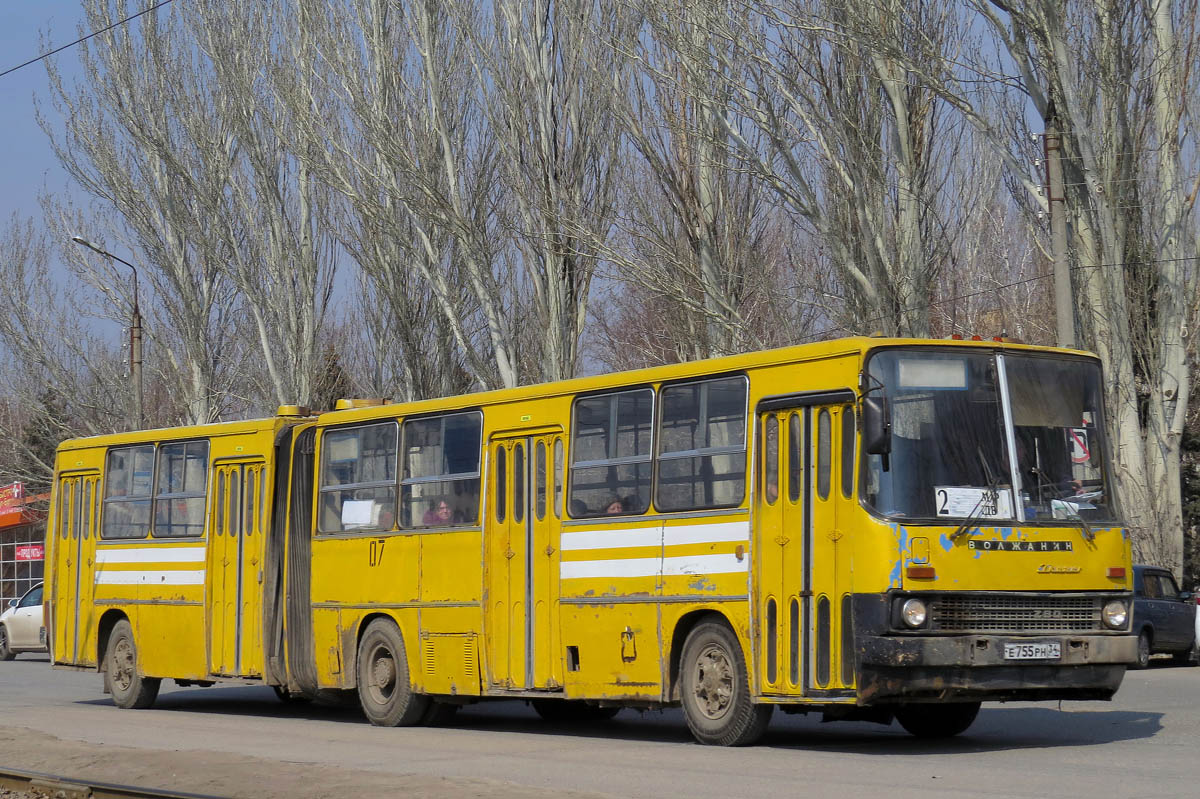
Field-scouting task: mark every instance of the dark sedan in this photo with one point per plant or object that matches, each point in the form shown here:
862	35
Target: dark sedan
1163	616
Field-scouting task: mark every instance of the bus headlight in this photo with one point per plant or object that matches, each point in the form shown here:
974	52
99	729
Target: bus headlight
913	612
1115	614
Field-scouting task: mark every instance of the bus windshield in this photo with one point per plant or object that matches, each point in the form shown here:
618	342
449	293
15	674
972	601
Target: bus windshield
951	452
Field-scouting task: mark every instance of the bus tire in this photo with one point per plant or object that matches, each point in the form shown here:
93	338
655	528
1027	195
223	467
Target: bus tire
715	689
6	652
130	689
937	721
384	689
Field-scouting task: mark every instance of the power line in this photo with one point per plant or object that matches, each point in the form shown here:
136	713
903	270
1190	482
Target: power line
84	39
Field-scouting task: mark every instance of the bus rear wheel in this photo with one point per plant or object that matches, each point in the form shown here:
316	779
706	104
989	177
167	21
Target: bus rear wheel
715	689
384	689
937	721
128	687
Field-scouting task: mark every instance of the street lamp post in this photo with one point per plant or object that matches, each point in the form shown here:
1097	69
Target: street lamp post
135	332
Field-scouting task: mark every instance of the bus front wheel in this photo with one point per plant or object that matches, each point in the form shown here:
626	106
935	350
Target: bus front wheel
715	689
128	687
384	689
937	721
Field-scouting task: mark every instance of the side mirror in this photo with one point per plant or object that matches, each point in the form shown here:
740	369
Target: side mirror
877	426
1185	596
12	603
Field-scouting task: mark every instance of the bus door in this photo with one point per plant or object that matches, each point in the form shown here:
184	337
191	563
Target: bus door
831	482
74	555
521	567
236	546
781	591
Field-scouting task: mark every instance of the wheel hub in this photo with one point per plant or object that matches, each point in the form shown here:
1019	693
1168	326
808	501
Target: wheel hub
383	675
714	682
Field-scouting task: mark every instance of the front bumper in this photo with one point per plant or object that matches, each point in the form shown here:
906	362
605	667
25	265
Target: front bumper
896	668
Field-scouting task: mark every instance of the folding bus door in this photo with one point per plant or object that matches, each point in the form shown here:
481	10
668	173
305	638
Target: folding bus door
521	565
235	569
68	630
781	591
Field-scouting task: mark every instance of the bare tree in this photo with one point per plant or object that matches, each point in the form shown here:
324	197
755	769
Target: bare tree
124	142
274	217
544	78
851	142
1119	81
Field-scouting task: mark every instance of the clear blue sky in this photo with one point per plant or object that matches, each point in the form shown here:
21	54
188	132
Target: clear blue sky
27	164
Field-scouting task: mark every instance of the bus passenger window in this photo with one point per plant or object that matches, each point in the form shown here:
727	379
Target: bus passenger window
220	521
702	454
519	483
441	470
824	453
558	477
128	483
182	484
849	443
610	453
795	458
358	478
501	482
771	462
539	481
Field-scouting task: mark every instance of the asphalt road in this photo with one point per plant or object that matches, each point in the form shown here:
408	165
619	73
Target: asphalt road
240	741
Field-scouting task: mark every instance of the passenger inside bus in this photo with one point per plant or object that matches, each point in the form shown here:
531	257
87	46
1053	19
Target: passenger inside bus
440	514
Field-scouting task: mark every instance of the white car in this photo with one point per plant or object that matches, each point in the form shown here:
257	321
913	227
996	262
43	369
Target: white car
21	626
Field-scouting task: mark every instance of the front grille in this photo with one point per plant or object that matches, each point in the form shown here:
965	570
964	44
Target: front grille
1015	613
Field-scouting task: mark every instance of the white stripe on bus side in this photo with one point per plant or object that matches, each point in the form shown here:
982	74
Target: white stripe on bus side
653	567
677	535
151	555
150	578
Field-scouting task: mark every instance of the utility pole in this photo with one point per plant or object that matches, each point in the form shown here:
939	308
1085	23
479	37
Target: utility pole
135	334
1056	201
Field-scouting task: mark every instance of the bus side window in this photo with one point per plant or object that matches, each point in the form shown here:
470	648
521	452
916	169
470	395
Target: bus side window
440	485
179	502
795	458
501	482
848	447
558	477
129	482
539	481
358	478
610	453
771	461
702	449
824	453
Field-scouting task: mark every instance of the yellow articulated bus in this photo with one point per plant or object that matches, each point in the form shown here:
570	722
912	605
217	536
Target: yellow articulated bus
867	528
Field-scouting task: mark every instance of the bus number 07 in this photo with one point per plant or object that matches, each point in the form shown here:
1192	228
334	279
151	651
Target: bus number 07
375	553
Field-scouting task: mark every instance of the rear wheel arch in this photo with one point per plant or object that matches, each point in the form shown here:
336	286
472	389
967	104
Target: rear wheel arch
104	632
350	653
683	628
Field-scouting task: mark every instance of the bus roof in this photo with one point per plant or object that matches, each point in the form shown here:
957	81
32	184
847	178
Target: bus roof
176	433
833	348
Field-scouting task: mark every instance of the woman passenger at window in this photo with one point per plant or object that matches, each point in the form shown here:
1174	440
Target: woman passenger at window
439	515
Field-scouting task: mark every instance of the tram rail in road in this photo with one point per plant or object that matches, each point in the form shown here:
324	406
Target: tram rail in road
54	786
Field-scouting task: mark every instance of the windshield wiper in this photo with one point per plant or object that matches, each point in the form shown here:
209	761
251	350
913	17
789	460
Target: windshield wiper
993	488
1076	516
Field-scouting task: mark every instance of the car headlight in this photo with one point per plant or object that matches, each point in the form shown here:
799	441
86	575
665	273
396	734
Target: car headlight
914	613
1115	614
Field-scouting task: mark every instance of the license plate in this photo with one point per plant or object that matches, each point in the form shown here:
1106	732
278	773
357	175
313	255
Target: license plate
1035	650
